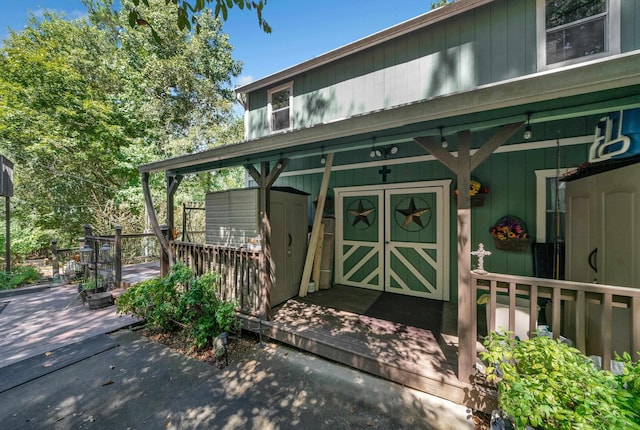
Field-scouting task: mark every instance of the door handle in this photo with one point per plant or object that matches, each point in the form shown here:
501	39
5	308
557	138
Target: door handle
593	263
290	239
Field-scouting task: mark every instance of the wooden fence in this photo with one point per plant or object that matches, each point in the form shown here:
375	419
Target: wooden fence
237	269
103	255
599	319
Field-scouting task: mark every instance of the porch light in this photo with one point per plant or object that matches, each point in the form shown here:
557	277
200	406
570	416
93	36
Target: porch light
323	160
443	141
375	152
527	130
393	150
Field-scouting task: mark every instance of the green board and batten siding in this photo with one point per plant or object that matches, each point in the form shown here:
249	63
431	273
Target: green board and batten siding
491	43
630	25
510	177
450	56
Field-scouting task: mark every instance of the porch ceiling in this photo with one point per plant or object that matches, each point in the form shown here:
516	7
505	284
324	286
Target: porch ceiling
590	88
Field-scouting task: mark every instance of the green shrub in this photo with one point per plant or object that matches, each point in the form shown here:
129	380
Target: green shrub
19	276
28	241
547	384
181	301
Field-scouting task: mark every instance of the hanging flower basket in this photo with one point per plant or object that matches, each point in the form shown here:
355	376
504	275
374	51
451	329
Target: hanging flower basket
477	193
510	234
512	244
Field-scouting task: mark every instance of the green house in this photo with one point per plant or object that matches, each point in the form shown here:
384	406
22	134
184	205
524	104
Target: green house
501	97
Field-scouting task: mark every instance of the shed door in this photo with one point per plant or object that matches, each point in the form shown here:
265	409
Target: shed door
360	253
393	239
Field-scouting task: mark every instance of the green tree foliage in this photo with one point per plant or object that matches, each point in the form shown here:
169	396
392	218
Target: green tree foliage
440	3
84	102
186	13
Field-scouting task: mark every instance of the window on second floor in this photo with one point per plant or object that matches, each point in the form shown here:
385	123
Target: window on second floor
576	30
280	103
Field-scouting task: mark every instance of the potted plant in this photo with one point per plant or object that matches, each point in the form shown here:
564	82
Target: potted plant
86	288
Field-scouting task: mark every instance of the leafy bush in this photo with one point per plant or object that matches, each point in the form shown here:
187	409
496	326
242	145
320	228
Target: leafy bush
547	384
28	241
20	275
181	301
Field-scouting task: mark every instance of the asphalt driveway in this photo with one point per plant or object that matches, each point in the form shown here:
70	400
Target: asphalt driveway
65	367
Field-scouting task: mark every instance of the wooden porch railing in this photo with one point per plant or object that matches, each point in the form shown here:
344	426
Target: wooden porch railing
575	306
237	269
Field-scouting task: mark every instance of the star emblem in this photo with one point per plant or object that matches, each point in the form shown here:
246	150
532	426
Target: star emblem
360	214
412	214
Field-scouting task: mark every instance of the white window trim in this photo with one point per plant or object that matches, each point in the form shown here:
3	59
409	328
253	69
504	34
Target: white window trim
289	86
541	199
612	42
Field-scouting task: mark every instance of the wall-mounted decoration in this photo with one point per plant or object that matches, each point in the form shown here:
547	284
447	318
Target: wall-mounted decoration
617	136
477	192
361	214
510	234
413	214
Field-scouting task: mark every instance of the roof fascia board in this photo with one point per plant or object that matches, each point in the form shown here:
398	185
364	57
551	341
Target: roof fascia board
599	75
390	33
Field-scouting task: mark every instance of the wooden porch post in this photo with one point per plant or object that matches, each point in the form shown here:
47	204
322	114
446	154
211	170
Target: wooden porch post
117	257
467	321
165	250
55	265
265	179
173	182
462	166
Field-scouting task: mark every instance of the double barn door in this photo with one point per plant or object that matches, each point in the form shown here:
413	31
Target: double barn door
394	238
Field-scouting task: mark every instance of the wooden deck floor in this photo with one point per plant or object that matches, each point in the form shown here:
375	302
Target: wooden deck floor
334	324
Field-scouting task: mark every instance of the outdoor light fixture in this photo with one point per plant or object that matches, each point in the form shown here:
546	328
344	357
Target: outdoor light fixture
323	160
383	152
443	141
86	254
527	130
374	152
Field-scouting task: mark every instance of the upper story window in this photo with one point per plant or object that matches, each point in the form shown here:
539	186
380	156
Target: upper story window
576	30
280	103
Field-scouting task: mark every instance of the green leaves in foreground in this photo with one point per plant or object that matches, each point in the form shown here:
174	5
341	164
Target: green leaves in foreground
547	384
181	302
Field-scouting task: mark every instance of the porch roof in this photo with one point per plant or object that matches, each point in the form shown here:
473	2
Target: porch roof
589	88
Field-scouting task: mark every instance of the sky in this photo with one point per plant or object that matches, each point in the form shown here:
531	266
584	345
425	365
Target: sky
302	29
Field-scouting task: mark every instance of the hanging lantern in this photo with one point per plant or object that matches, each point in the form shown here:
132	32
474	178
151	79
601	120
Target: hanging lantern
104	253
86	254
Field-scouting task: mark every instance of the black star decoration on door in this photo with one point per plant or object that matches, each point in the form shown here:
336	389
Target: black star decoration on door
361	210
413	214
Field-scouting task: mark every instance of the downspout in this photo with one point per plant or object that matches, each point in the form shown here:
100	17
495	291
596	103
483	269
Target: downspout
164	243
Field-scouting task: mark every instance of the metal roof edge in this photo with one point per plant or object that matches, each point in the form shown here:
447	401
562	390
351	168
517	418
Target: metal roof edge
424	20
